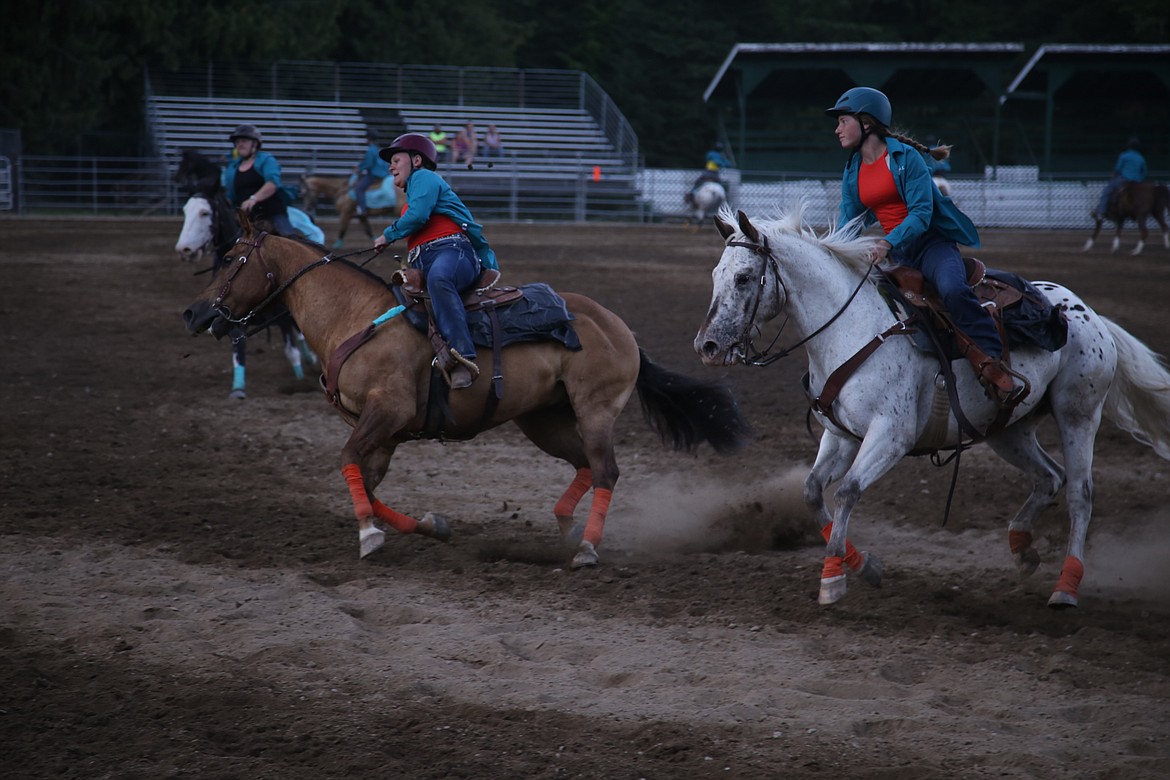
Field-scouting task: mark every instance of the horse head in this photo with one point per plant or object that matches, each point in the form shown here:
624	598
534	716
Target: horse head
765	268
238	288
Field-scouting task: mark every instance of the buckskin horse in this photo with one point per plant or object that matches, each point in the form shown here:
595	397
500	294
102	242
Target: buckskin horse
1137	201
566	401
888	407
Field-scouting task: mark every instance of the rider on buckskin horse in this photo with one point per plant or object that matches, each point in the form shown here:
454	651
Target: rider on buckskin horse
444	242
886	179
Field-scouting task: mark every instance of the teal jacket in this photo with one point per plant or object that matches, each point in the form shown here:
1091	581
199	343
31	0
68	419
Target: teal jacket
1131	166
426	194
928	208
265	165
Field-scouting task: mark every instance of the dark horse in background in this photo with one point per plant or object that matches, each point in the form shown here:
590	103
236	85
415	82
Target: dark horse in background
1136	200
211	225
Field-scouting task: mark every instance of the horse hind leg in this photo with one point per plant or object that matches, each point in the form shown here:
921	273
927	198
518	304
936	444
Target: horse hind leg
1019	447
555	432
292	351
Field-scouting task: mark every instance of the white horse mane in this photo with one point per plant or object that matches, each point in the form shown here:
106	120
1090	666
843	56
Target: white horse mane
844	242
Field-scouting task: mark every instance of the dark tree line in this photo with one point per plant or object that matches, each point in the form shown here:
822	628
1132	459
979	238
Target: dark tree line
73	69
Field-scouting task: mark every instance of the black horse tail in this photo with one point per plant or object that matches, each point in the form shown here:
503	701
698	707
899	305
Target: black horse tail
686	412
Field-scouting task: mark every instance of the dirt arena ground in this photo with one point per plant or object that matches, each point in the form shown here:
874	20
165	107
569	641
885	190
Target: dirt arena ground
182	594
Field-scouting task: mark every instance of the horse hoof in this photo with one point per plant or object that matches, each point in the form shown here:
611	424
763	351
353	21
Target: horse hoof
1088	245
435	526
338	244
1062	600
832	589
1027	561
586	556
237	394
371	539
871	570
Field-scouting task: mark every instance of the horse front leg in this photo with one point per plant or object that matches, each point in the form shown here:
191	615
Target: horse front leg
1093	238
364	463
880	450
1145	234
292	351
833	459
239	357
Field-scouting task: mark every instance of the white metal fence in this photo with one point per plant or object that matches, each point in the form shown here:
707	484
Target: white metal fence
128	185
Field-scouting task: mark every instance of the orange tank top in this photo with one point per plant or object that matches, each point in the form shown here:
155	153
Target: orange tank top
879	194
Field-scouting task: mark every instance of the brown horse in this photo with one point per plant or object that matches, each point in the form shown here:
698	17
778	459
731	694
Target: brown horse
336	189
1137	201
565	401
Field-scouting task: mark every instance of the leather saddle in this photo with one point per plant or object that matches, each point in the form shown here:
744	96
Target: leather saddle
484	292
994	294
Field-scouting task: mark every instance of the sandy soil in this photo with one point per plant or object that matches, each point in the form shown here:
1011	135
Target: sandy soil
182	594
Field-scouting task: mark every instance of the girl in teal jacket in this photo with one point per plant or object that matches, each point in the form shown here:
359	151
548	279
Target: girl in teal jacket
887	181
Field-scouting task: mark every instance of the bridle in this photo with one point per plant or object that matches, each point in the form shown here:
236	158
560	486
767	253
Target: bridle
274	290
753	356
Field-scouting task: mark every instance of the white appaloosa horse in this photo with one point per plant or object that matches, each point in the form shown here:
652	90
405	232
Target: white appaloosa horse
822	284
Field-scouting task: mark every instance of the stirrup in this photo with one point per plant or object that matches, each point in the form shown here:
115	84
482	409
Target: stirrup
458	372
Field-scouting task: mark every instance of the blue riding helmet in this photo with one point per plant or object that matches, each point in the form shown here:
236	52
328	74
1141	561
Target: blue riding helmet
863	100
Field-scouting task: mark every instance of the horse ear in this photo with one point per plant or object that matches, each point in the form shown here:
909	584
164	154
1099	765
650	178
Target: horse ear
747	227
725	228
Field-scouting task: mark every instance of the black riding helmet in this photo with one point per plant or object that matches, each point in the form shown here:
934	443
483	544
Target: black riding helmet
247	131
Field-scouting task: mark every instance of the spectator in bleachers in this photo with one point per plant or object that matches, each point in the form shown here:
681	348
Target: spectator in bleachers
493	145
252	182
370	171
444	242
1130	166
439	139
466	145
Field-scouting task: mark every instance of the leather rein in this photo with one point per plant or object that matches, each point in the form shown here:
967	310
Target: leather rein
753	356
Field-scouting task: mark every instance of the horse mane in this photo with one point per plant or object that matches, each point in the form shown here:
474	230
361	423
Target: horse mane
844	242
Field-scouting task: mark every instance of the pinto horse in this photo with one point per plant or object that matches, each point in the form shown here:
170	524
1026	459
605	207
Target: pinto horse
337	189
1136	200
565	401
888	407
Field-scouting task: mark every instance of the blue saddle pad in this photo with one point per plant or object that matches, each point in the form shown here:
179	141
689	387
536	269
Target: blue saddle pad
382	197
541	315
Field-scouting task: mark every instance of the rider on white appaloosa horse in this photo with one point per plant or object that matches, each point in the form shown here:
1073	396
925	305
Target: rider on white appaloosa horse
880	397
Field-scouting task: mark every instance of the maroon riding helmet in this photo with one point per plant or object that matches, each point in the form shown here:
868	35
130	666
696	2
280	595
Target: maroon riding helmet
412	143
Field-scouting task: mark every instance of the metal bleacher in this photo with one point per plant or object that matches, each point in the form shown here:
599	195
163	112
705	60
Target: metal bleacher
565	152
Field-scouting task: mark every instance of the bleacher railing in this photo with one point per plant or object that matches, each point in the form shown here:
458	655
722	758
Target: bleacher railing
377	83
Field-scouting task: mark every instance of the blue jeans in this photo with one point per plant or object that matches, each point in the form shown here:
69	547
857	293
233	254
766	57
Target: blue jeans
363	183
1113	186
941	263
450	266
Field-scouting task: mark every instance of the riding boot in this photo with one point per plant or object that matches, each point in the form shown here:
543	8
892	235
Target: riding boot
998	382
458	371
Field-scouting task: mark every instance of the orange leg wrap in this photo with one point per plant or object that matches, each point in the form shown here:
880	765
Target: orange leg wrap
852	557
1019	541
357	490
401	523
1070	576
580	486
832	567
597	513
